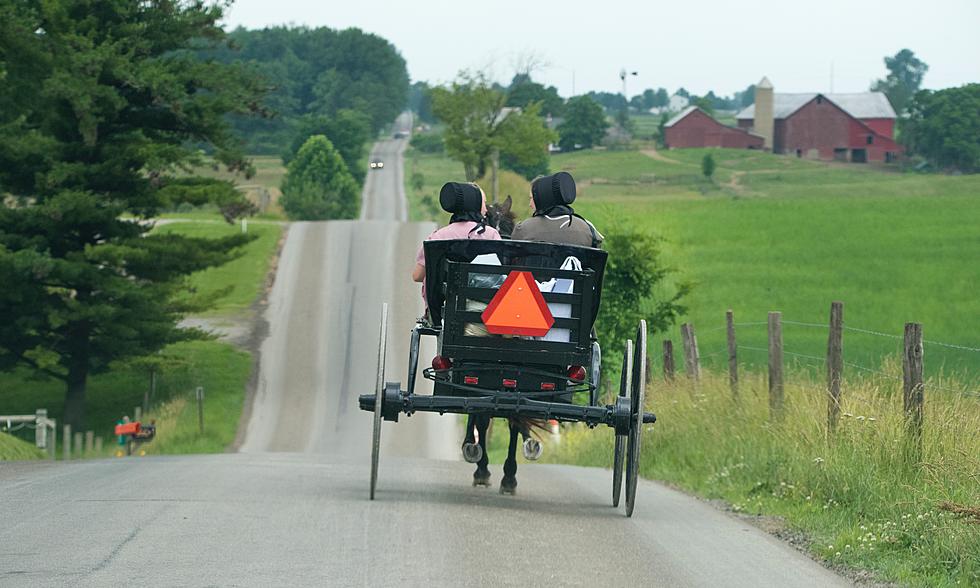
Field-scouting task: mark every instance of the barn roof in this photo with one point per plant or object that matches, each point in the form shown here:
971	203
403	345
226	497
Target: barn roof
680	115
858	105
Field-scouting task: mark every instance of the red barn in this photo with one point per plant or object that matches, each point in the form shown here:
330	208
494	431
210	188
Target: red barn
844	127
693	127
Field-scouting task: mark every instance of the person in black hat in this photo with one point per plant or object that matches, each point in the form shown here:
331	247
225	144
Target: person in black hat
468	204
553	219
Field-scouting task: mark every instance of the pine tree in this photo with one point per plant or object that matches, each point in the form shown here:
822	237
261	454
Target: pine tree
103	108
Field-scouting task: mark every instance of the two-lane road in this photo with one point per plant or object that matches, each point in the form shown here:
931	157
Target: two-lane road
291	509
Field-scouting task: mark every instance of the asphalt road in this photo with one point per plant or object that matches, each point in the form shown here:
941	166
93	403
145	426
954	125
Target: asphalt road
291	508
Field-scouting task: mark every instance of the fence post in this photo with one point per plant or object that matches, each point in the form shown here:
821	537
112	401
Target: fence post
77	442
913	389
200	409
41	428
775	365
692	361
732	354
89	442
835	363
98	446
137	413
66	442
668	360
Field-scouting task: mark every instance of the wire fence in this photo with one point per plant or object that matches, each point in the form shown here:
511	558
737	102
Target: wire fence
814	360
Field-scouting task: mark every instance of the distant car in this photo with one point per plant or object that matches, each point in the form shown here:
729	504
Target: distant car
377	164
401	134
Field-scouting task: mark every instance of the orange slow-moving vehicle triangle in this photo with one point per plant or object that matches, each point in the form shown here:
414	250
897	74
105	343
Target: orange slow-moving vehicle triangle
518	308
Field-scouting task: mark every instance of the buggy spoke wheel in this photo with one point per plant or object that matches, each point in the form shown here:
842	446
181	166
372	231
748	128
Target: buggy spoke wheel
379	398
636	427
625	382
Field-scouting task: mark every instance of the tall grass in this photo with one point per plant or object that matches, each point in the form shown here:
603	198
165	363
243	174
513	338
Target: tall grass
862	496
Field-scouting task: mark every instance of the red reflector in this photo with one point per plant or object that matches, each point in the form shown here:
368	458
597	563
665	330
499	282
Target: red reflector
441	363
472	380
576	372
510	383
547	385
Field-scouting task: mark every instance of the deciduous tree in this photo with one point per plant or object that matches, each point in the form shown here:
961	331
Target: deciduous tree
905	73
477	125
944	127
318	186
585	124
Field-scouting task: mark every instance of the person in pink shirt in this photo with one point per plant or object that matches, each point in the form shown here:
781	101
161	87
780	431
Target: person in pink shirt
468	205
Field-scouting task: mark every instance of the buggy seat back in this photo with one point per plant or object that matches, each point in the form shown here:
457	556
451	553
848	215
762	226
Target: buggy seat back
458	290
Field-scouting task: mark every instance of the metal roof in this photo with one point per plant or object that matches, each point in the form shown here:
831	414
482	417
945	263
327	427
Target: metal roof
858	105
680	115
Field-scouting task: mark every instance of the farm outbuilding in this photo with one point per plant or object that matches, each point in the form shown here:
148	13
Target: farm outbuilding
693	127
844	127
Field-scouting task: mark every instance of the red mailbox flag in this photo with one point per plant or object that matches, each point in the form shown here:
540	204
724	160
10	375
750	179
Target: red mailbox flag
518	308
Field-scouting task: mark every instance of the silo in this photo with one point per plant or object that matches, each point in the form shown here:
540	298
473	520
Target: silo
763	123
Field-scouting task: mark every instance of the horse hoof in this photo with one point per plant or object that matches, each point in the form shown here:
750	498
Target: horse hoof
472	452
481	479
532	449
508	486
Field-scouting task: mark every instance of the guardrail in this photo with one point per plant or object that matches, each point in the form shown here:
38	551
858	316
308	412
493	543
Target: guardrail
45	432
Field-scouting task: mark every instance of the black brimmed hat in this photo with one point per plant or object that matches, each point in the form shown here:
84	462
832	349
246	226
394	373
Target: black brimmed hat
554	190
457	198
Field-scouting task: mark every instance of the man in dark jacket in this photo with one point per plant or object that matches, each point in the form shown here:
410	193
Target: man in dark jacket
553	220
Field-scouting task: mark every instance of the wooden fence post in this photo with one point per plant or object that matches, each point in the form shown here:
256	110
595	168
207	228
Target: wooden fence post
66	442
775	365
668	360
98	446
200	409
77	442
692	361
137	413
835	364
89	442
732	354
913	389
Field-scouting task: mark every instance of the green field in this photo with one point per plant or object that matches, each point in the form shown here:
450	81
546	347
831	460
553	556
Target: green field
221	368
775	233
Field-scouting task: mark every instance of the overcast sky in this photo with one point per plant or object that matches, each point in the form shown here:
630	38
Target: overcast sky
720	45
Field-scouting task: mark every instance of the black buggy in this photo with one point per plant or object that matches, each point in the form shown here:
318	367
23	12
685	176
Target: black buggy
479	371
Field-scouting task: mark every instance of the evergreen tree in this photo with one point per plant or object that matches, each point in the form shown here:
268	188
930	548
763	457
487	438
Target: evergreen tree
318	186
905	73
102	106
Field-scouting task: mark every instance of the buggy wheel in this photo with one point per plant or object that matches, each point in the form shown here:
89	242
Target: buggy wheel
379	398
636	426
625	382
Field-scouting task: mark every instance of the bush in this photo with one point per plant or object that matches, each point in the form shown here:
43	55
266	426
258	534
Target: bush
428	142
318	186
633	273
708	165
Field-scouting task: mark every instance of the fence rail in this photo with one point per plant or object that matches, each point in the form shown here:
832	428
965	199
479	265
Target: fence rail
45	433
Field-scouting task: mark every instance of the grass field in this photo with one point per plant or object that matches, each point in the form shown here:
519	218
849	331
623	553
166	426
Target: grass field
793	235
219	367
14	449
855	500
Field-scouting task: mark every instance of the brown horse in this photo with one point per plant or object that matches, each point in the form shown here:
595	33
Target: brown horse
499	216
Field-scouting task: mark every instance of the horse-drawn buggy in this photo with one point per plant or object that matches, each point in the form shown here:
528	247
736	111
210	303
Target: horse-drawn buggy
515	339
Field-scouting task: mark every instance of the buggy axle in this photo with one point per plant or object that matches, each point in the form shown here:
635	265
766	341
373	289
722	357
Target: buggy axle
395	402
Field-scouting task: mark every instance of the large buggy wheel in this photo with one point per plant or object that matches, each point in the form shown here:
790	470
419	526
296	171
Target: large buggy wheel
625	383
379	398
639	385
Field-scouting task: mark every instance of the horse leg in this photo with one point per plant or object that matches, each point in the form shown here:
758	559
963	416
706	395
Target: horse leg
472	452
481	477
508	484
